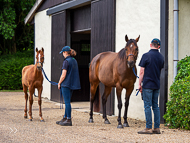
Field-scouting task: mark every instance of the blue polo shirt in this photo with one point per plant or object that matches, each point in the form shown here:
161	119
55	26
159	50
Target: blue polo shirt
153	62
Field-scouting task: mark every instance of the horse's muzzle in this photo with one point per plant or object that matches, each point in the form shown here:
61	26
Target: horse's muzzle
130	64
39	66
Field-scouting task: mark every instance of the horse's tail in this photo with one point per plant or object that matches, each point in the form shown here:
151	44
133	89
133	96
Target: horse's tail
94	81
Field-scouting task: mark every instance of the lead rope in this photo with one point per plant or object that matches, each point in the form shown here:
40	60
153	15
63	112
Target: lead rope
137	77
55	83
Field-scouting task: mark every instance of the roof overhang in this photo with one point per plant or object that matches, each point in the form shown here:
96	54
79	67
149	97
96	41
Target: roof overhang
68	5
31	14
55	9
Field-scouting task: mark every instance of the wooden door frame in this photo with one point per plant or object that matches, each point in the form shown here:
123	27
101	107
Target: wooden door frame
164	13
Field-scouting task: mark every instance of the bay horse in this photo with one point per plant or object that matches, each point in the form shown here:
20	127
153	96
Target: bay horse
32	78
114	70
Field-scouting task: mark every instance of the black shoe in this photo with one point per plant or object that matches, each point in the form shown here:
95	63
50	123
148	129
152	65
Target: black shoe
67	122
62	120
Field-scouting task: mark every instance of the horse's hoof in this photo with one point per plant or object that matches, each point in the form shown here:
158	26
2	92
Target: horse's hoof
90	121
125	125
120	126
107	122
42	120
25	117
30	119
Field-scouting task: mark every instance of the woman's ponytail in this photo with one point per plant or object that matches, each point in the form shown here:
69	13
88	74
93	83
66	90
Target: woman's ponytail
73	53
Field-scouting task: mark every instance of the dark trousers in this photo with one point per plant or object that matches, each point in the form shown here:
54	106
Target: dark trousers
67	94
150	98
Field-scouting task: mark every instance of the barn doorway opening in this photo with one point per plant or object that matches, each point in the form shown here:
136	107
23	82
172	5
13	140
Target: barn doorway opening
80	42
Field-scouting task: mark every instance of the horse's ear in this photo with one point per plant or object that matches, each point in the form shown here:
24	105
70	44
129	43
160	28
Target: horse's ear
42	49
36	49
137	39
126	38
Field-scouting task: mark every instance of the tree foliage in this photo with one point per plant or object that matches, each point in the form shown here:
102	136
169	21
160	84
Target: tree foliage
7	19
14	34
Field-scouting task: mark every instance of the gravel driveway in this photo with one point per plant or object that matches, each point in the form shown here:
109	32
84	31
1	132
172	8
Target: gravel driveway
14	128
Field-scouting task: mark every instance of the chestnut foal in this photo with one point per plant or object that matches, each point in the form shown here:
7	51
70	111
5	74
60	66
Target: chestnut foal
32	78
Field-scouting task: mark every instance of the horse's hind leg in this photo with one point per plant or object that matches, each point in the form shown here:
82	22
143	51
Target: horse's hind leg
127	96
31	91
93	88
40	103
107	92
25	88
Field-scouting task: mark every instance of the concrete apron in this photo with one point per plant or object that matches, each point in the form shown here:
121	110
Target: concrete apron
78	106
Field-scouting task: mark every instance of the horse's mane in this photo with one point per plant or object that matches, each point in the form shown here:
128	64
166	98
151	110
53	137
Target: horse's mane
122	54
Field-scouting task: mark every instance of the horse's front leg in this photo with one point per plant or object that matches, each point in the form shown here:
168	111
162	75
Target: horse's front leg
118	90
26	100
127	96
107	92
31	91
40	102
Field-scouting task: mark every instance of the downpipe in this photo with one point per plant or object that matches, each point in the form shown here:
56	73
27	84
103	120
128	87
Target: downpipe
176	36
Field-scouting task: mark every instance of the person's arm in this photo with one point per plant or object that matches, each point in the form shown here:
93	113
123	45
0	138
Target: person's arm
63	75
141	75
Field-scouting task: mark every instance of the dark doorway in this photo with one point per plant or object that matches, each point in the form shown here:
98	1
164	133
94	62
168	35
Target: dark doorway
80	42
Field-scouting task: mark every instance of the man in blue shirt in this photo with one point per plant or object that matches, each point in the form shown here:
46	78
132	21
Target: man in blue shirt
69	81
149	85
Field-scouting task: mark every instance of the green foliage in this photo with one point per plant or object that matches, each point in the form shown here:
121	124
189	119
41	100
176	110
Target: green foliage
178	108
183	68
11	69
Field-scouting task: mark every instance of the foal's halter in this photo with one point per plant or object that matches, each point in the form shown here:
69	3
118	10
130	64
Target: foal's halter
40	63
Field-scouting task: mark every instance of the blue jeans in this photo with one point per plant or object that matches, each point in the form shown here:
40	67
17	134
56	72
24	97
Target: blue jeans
67	94
150	98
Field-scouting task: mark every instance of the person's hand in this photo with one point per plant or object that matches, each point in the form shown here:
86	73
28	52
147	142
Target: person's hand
140	88
59	86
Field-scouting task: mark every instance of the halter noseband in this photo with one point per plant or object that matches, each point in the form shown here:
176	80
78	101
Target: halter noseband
40	63
130	55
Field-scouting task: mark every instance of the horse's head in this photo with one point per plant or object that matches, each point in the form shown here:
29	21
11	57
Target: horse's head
131	50
39	58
